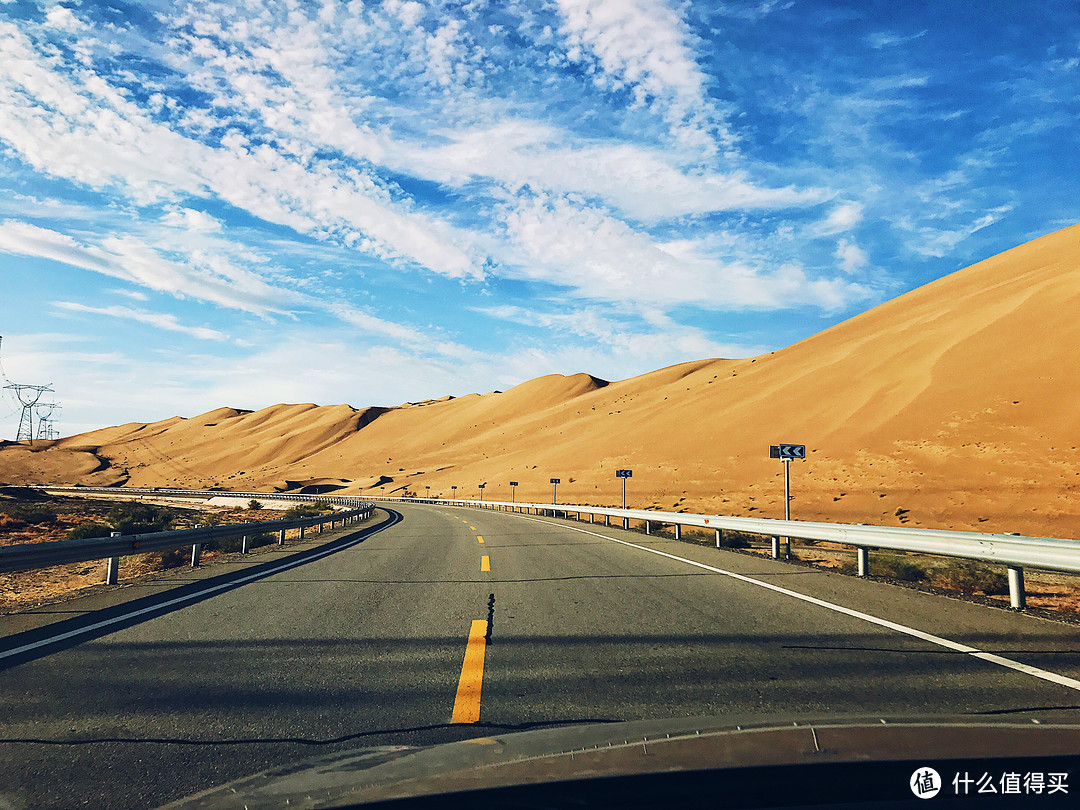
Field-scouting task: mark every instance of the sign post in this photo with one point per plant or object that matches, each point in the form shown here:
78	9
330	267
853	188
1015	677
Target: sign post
482	492
624	474
513	489
787	452
555	490
453	493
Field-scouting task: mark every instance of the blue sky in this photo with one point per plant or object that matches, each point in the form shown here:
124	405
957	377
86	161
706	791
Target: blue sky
249	203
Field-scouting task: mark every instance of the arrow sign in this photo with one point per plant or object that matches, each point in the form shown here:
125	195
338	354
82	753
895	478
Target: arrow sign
786	452
513	483
624	473
556	480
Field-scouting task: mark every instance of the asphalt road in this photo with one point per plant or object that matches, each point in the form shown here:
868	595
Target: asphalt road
365	646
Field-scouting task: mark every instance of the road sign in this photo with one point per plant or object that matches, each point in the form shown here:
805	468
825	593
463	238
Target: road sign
482	486
624	473
556	481
513	483
786	452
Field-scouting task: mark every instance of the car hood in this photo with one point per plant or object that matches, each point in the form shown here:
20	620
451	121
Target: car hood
577	752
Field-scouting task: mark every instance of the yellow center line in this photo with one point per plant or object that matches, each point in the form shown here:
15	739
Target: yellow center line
485	563
480	538
467	702
473	528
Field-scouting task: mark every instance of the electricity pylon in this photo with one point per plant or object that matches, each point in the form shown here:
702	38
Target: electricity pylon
46	416
28	396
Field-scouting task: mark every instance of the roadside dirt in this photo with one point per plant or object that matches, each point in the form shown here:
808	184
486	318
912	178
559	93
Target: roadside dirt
1049	593
35	518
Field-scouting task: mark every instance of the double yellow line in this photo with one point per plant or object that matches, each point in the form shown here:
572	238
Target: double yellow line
467	701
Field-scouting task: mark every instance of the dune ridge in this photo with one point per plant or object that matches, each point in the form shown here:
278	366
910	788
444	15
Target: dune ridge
952	406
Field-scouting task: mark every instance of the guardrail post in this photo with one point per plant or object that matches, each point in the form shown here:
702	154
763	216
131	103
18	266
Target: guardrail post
244	545
112	570
648	527
196	550
281	537
775	547
626	523
863	557
678	531
302	532
607	520
719	538
1017	596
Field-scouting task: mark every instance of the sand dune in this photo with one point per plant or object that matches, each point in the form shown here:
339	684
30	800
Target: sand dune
954	405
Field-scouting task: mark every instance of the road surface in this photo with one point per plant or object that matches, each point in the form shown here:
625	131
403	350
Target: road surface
430	614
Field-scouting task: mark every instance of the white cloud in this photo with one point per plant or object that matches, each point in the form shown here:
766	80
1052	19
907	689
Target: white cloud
885	39
852	257
639	42
135	295
598	257
159	320
408	11
938	241
62	19
843	218
126	257
661	342
520	153
53	121
645	46
191	220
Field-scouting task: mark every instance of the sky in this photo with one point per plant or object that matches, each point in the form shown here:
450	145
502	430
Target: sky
246	203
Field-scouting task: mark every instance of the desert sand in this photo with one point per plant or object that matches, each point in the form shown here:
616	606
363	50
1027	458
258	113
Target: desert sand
955	406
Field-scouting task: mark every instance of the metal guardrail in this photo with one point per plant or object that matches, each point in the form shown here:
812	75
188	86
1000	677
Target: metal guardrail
222	493
30	556
1013	551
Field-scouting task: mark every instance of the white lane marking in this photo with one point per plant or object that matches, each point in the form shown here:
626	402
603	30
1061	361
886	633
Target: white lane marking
180	599
1053	677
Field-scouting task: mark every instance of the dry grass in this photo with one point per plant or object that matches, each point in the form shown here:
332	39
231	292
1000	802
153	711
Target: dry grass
1046	590
24	589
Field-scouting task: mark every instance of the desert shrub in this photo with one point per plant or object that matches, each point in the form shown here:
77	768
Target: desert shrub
89	529
30	513
139	518
234	544
969	577
899	569
9	523
227	545
254	504
306	510
735	539
175	557
262	539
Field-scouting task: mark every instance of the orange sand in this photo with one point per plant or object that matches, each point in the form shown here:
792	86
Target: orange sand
953	406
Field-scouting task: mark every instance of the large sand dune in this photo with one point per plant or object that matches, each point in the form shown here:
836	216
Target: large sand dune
955	405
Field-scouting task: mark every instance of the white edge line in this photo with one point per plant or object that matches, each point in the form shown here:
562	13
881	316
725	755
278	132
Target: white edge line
1053	677
285	565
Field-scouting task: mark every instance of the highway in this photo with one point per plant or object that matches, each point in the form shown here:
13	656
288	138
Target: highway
498	621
